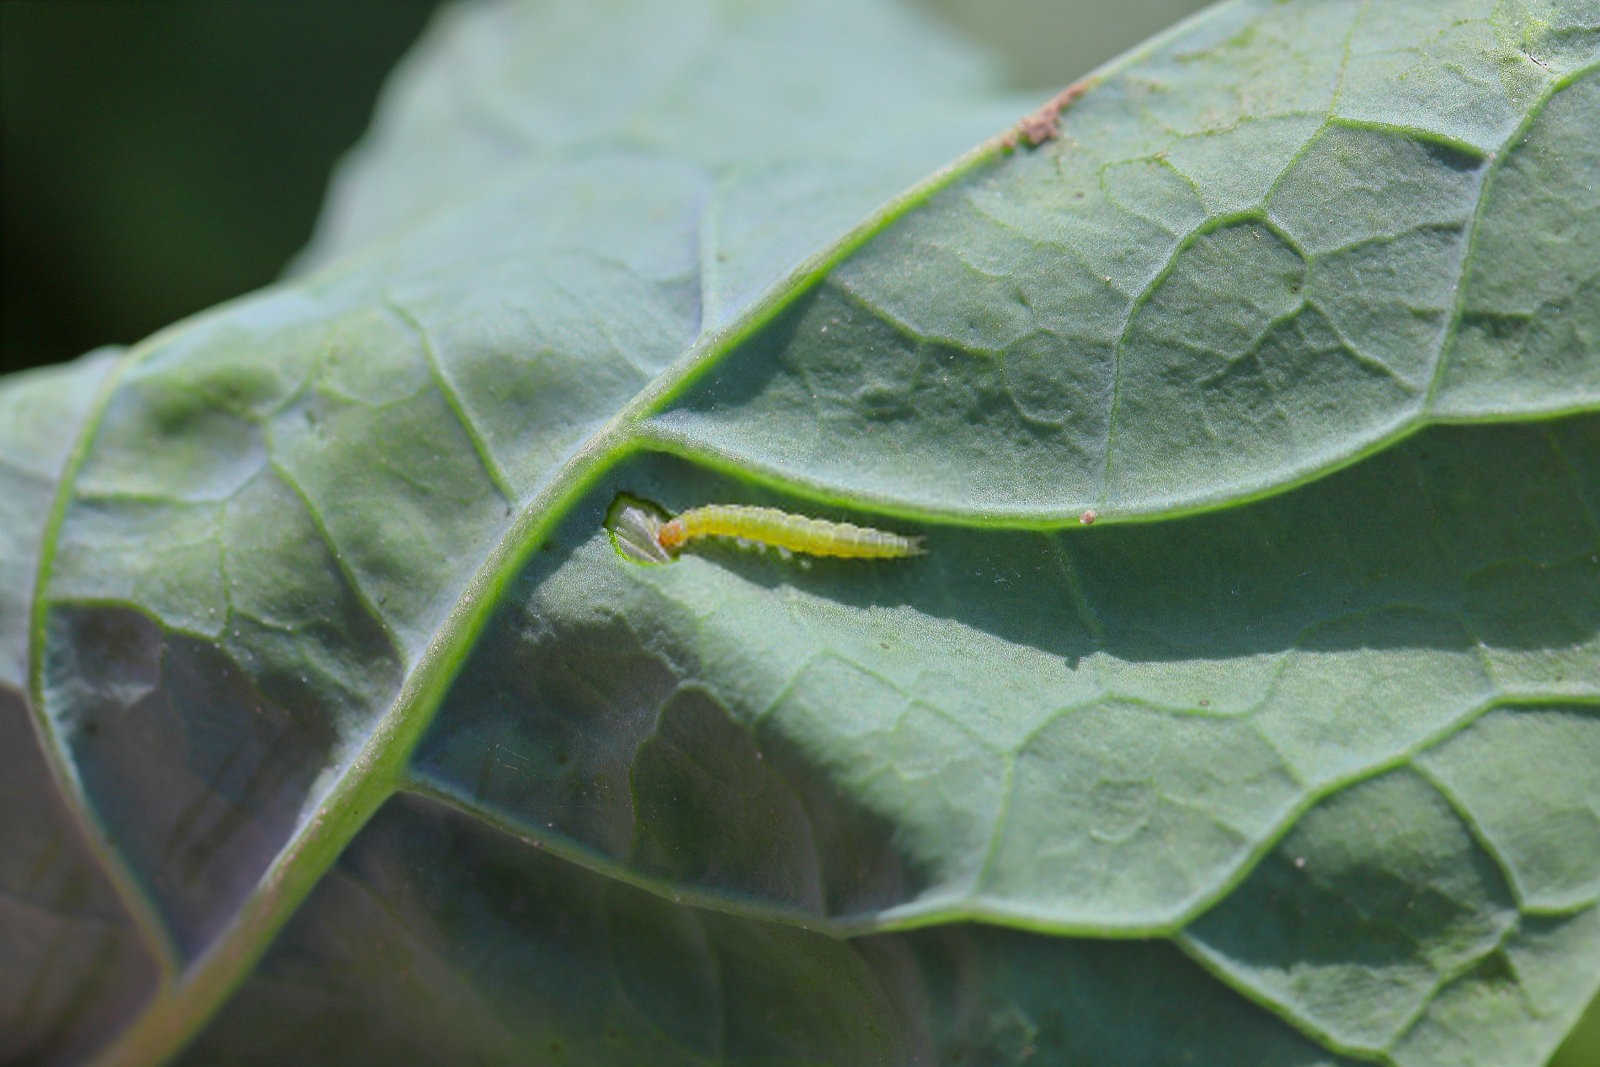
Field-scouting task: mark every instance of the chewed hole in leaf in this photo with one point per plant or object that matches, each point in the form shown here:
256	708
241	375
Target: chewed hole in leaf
635	526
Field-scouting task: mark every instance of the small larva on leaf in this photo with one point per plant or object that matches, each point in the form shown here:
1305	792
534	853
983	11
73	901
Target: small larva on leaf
641	532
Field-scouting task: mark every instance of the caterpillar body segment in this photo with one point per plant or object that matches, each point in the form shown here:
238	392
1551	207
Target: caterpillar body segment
641	532
786	532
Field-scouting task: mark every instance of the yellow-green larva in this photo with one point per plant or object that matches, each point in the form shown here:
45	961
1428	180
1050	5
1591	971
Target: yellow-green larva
642	533
780	529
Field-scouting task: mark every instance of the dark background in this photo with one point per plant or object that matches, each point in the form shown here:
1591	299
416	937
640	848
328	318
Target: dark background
157	158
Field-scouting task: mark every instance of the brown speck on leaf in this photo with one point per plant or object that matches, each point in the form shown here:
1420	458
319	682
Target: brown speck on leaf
1088	517
1044	124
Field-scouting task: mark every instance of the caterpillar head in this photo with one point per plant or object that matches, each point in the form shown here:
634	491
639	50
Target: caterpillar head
671	535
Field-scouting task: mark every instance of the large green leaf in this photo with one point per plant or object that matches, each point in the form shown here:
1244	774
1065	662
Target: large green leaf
337	729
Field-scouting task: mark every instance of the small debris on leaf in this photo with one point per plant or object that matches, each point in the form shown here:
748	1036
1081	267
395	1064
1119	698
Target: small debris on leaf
1045	123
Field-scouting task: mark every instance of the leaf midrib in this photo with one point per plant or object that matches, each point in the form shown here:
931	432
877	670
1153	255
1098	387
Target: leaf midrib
376	770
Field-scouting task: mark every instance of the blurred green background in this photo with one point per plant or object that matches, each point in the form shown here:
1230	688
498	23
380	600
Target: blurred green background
158	158
161	157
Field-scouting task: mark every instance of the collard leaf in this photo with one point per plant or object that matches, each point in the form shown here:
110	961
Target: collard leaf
1287	239
368	745
74	964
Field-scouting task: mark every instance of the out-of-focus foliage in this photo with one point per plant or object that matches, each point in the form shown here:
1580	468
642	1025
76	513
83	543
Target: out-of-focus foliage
160	158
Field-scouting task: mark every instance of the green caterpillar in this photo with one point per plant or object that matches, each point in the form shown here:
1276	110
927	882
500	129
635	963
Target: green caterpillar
642	533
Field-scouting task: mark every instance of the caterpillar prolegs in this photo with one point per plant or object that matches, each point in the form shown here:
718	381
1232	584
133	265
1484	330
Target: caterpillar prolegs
643	533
